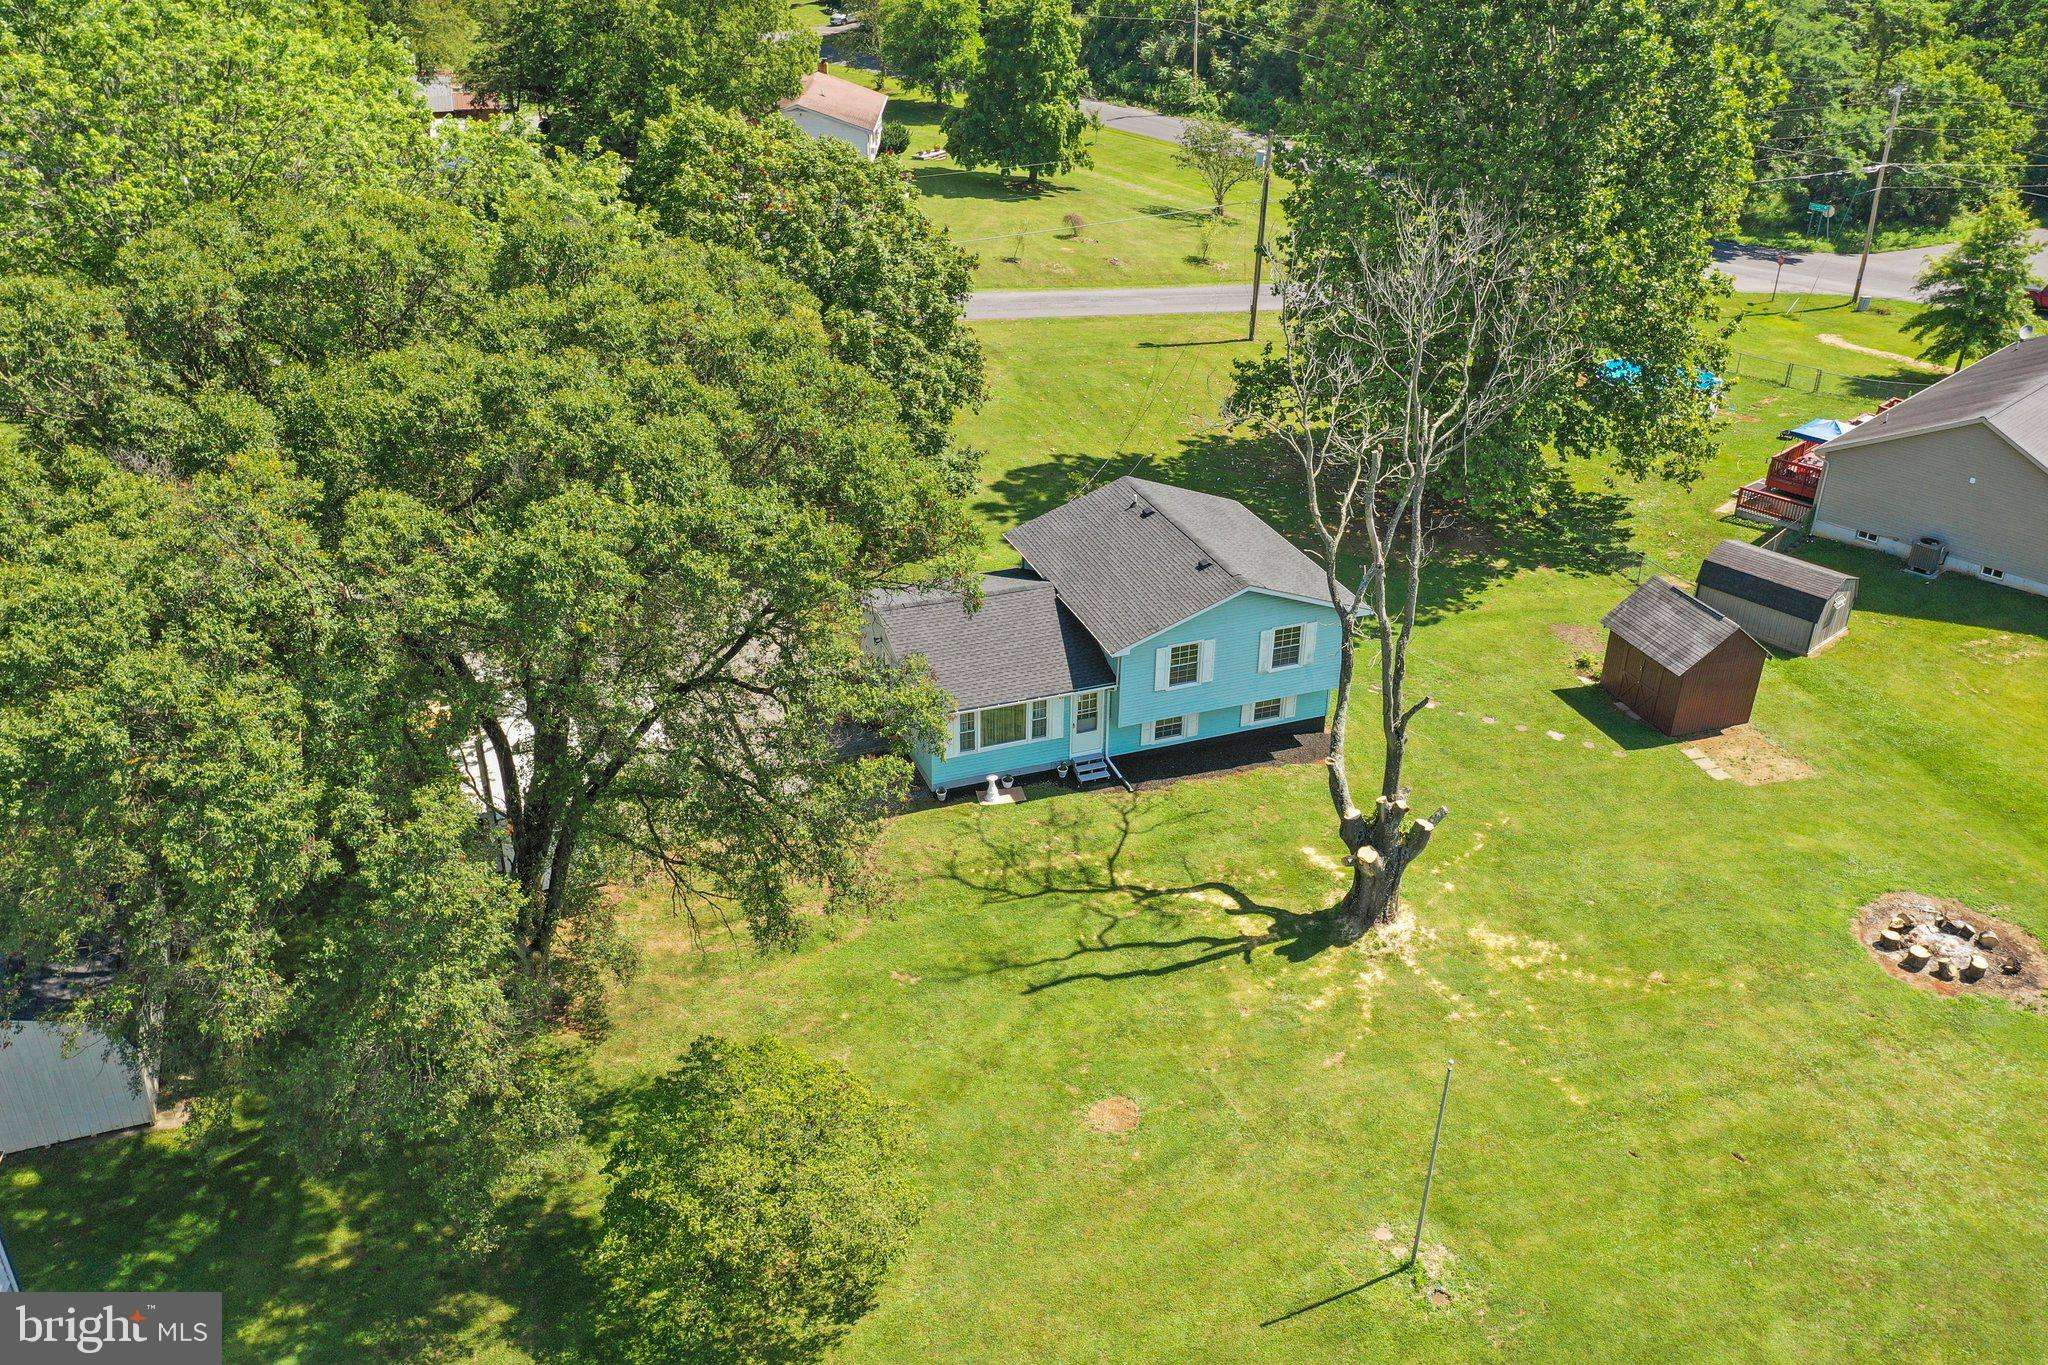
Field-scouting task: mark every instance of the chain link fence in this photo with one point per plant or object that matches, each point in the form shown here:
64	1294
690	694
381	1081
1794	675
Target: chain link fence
1791	374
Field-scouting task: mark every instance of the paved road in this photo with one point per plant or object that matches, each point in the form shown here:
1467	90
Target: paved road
1891	276
1004	305
1143	122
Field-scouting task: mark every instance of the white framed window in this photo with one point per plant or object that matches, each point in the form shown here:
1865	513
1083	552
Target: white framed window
1183	665
1870	536
1991	573
1266	712
1287	647
1170	728
1087	713
993	727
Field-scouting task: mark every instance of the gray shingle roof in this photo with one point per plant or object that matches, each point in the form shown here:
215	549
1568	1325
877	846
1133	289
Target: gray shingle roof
1770	579
1135	557
1669	625
2007	390
1022	644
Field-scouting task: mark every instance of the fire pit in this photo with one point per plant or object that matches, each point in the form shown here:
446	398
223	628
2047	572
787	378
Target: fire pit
1949	948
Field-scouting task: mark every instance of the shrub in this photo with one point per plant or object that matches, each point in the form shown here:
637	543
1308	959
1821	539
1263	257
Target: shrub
895	139
1075	222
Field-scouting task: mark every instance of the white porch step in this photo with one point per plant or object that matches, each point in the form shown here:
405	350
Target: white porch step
1090	768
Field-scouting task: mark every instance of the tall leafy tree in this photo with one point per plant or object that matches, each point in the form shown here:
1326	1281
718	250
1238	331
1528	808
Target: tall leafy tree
381	572
602	69
1977	291
933	44
891	287
1618	133
1022	108
116	116
757	1197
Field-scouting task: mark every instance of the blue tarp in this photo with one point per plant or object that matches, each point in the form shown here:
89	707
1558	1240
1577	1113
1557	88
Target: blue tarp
1819	429
1619	371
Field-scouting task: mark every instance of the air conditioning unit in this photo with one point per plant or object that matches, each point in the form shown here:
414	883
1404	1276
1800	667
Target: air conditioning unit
1927	555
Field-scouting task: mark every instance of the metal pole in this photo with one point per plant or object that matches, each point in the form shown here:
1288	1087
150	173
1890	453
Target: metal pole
1776	277
1195	63
1884	163
1429	1174
1259	251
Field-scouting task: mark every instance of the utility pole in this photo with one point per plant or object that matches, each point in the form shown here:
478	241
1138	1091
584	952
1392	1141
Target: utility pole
1429	1175
1259	251
1779	274
1195	64
1857	303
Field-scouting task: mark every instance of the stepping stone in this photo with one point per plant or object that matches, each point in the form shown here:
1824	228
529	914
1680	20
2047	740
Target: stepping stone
1552	734
1488	720
1589	744
1692	753
1521	729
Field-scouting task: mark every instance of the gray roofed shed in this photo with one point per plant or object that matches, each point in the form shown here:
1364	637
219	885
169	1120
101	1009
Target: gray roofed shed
1669	625
1134	557
1022	644
55	1088
1774	580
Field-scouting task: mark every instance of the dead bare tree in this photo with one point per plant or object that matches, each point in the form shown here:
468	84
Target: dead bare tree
1402	349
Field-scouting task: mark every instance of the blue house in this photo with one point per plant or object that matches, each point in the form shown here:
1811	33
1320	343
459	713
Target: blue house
1143	616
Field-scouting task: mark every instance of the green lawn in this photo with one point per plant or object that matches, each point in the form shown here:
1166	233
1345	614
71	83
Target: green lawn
1691	1119
1144	217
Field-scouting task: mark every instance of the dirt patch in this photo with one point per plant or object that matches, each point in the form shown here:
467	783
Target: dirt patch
1953	935
1585	639
1117	1114
1751	757
2004	648
1911	362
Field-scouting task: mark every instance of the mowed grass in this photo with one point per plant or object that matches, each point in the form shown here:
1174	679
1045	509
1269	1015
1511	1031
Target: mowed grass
1690	1117
1145	219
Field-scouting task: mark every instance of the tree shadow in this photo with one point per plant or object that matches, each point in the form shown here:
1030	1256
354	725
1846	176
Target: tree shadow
1591	701
952	182
1885	588
1071	856
343	1270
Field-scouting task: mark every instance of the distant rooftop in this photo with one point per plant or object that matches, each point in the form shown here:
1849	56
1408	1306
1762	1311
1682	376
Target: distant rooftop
836	98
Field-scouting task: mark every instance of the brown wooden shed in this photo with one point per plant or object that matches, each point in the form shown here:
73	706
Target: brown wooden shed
1679	664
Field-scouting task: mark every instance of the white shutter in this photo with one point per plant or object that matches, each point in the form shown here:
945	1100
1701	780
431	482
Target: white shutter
1308	643
1054	710
1193	726
953	736
1145	732
1287	708
1162	659
1265	651
1244	713
1207	668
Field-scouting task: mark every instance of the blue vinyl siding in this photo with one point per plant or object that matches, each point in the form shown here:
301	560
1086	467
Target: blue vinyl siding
1237	627
1226	720
1035	755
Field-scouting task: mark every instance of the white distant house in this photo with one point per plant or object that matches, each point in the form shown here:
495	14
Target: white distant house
836	108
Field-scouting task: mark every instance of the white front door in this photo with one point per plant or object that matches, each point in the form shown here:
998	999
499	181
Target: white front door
1085	734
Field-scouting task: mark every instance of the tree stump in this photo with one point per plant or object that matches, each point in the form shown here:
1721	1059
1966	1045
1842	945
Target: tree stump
1974	969
1890	940
1988	939
1942	970
1916	957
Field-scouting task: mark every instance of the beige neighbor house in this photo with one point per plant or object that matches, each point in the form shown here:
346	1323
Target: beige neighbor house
1955	477
1782	602
836	108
